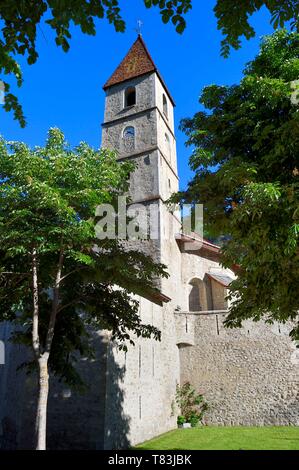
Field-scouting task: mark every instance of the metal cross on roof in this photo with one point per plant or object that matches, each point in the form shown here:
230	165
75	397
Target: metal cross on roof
139	27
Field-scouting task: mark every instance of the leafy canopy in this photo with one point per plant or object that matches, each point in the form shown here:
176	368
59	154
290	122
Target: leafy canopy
246	165
48	197
20	21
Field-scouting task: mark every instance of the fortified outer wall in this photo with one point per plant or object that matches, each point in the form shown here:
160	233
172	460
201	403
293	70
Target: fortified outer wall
74	420
141	383
249	376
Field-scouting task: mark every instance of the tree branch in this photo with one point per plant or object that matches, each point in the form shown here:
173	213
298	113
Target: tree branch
72	272
63	307
12	272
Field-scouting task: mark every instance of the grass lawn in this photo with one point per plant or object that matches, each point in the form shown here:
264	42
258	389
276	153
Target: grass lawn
226	438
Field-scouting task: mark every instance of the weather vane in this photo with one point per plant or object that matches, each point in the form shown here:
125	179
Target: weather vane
139	27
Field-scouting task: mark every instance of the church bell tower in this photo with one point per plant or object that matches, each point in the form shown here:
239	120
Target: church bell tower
139	125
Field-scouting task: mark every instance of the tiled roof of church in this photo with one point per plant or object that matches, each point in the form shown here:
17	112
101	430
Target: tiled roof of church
137	62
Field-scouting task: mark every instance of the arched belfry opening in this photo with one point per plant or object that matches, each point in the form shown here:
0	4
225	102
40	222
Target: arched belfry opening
130	96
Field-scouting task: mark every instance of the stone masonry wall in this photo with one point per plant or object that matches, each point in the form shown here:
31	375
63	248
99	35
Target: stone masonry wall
249	376
141	383
74	420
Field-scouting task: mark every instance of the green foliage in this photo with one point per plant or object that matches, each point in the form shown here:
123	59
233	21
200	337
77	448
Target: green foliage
246	163
173	11
48	197
194	420
191	403
233	18
20	21
181	420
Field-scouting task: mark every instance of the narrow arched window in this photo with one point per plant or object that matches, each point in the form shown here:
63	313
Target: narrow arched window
167	146
165	107
194	298
130	96
129	132
129	138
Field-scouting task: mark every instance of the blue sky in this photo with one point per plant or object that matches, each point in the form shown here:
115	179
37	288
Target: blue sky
65	90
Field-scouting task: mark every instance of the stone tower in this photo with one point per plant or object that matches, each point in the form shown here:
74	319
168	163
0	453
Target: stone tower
139	125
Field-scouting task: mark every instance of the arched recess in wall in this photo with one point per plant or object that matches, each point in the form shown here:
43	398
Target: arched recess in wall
197	295
217	285
194	297
129	138
167	146
130	96
208	294
165	106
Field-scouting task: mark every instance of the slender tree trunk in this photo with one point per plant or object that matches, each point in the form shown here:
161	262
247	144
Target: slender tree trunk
55	303
35	334
41	415
42	358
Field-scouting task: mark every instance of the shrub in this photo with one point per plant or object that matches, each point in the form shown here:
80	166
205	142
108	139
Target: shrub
181	420
191	403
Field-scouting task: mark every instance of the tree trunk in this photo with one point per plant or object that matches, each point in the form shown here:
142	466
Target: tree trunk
35	334
41	416
42	358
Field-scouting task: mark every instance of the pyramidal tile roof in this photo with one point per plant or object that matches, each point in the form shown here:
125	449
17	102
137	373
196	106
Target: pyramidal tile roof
137	62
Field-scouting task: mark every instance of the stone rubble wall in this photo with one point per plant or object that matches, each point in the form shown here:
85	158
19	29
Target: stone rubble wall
249	376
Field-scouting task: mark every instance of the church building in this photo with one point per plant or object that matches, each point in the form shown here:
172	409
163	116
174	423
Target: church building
248	376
